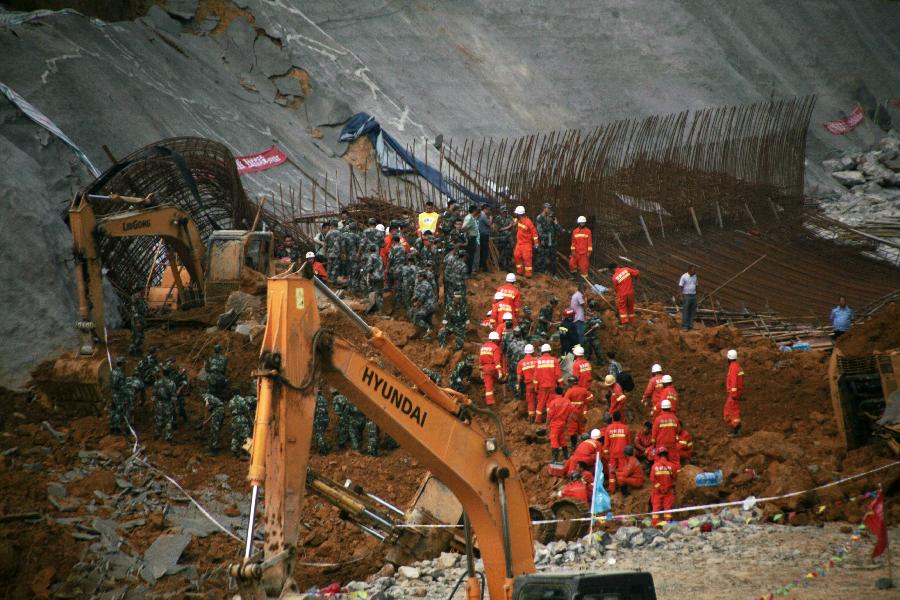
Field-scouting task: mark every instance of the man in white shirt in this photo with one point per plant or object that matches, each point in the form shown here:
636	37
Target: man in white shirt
688	285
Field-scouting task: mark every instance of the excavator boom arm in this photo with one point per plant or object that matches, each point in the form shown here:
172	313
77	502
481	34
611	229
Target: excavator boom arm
298	356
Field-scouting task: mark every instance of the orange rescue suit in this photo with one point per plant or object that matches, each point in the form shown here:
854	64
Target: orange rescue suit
734	389
525	374
579	397
491	360
582	369
623	280
662	495
547	375
559	411
526	241
580	251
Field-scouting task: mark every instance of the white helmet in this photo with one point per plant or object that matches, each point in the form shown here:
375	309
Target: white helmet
379	227
310	255
493	335
666	404
578	351
546	348
507	316
667	379
510	278
581	219
529	349
595	434
656	368
499	296
520	210
732	354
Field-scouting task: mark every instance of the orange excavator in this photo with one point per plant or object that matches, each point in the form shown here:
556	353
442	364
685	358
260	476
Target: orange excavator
197	274
434	424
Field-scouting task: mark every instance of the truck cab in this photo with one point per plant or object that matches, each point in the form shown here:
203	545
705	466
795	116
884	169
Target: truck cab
585	586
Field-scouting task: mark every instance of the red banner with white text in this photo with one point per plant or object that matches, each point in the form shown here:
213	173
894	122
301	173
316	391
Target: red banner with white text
847	124
268	158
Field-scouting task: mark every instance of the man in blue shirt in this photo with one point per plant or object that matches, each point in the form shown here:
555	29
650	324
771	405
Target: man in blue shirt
841	318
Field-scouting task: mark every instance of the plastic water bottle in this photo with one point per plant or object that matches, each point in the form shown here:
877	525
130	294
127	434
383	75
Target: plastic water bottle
709	479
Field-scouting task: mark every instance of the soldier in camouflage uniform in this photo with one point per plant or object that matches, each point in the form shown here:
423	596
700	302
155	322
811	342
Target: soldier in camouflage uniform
350	249
505	227
424	303
396	261
455	274
320	423
428	252
548	236
180	378
133	388
592	350
117	407
146	370
372	438
372	236
332	241
373	273
461	377
139	311
241	409
456	320
447	220
433	375
545	318
350	421
525	322
216	369
515	351
216	409
458	237
163	405
408	276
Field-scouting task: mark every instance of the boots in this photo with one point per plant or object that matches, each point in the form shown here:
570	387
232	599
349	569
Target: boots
554	455
735	431
573	440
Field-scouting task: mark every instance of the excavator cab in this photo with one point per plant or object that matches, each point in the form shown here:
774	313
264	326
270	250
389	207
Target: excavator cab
585	586
230	252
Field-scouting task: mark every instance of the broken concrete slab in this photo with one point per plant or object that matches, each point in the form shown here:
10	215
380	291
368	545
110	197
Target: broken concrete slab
849	178
163	554
183	9
271	59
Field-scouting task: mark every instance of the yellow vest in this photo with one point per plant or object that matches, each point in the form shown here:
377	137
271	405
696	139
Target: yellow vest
428	222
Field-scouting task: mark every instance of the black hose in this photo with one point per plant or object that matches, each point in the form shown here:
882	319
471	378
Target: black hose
460	580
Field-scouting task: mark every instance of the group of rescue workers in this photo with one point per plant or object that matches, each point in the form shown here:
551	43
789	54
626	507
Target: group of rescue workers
555	392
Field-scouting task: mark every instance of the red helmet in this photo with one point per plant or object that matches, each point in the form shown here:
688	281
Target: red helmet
569	312
662	450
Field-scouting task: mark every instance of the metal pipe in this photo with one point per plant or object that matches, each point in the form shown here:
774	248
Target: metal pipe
249	547
370	531
470	552
375	517
504	515
357	320
386	504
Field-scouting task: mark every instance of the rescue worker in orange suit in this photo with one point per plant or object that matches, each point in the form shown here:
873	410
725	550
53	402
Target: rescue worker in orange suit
685	446
615	438
586	452
500	307
526	242
581	368
615	395
318	268
667	392
525	378
547	377
581	484
623	280
665	430
491	361
643	440
629	475
579	397
581	248
512	294
662	478
653	393
559	411
734	387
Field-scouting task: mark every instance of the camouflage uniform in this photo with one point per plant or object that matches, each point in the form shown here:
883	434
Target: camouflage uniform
139	311
504	240
216	409
241	409
455	273
548	237
350	248
216	368
373	237
320	423
163	406
373	273
133	387
180	379
117	407
408	275
592	340
515	351
428	256
396	261
146	369
526	323
433	375
424	303
333	251
446	221
545	319
461	377
372	435
350	422
456	319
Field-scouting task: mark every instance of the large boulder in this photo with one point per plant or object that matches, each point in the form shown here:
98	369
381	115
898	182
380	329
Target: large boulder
769	444
849	178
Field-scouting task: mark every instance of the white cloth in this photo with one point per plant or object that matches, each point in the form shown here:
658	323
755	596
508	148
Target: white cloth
688	284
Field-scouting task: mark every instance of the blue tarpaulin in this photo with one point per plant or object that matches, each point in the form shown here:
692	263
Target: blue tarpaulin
396	160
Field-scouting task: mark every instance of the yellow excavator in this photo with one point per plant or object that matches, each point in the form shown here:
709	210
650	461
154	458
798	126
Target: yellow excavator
435	425
198	272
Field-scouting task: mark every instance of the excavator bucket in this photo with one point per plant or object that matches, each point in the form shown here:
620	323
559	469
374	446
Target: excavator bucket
77	385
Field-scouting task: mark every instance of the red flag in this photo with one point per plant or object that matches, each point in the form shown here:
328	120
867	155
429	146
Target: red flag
874	522
847	124
268	158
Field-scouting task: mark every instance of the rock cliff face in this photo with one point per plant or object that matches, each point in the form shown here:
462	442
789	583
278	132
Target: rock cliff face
256	72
